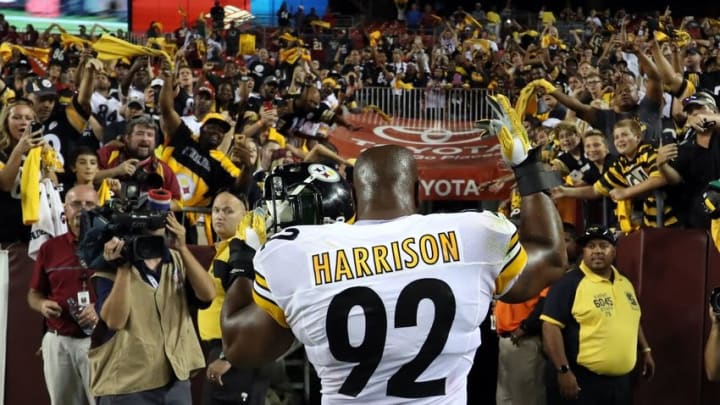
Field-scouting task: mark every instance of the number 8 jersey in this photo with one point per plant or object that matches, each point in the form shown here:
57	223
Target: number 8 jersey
389	311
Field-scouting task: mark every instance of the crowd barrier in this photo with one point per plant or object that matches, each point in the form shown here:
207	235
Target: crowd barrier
453	109
673	272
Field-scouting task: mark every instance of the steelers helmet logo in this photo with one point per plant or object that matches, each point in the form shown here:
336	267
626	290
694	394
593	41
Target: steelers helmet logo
323	173
46	83
187	186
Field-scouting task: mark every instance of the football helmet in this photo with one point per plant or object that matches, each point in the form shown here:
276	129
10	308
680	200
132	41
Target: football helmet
306	194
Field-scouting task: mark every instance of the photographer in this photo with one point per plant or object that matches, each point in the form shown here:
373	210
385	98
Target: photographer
134	159
59	291
712	347
148	346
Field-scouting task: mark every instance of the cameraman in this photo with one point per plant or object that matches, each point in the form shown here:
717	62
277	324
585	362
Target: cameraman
149	346
712	348
137	151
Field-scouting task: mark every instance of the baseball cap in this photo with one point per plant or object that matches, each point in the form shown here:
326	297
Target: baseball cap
136	100
207	89
157	82
40	87
551	122
271	80
217	119
596	232
699	99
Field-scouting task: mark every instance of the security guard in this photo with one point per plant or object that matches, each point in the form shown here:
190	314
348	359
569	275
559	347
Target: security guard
591	329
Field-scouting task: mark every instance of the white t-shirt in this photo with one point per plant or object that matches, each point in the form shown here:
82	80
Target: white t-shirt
389	312
106	108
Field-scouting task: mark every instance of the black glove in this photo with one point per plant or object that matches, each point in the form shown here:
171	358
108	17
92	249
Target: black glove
239	264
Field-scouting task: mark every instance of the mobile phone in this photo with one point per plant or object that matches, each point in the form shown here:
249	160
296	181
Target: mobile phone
35	127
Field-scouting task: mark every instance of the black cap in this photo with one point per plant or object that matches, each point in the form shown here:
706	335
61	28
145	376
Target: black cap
40	87
596	232
693	51
271	80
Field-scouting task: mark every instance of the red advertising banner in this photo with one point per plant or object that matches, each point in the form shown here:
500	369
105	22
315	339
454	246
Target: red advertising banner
169	13
459	163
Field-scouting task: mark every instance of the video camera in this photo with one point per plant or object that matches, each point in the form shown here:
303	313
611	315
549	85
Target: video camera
131	218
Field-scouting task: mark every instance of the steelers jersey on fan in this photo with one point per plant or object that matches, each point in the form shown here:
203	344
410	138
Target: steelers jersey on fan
200	173
629	172
389	311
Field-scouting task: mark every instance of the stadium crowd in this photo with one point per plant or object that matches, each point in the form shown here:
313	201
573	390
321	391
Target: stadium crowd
623	107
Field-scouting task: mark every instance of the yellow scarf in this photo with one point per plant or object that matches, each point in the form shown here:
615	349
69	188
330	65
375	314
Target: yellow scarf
110	48
30	186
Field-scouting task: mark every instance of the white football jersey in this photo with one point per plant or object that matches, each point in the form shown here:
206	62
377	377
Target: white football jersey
389	311
106	108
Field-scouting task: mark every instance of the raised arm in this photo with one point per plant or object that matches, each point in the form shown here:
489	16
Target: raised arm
87	82
584	111
540	231
138	64
665	69
654	84
170	119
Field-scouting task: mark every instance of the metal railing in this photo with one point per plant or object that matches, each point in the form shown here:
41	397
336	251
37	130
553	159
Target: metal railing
455	108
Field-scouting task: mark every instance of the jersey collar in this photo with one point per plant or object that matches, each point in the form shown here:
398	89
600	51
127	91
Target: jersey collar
595	278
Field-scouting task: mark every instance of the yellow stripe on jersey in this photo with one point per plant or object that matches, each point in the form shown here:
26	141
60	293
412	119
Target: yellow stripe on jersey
271	308
513	267
261	281
76	120
551	320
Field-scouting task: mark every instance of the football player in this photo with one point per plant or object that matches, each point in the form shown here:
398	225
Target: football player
389	309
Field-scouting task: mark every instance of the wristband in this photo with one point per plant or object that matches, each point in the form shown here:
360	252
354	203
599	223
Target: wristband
532	177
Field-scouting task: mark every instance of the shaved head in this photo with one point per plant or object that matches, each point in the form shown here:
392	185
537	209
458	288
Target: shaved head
385	179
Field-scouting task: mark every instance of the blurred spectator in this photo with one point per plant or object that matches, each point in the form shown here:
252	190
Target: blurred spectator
283	15
631	182
626	103
60	291
132	159
4	27
521	364
85	167
232	41
217	14
64	124
16	140
226	383
478	13
696	161
30	36
300	18
261	67
414	16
